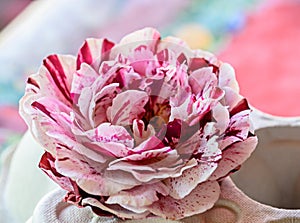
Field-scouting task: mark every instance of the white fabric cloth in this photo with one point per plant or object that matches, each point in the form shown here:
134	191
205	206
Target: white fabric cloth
23	184
52	209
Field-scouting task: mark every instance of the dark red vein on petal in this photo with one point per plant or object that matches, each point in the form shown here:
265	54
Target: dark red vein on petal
53	65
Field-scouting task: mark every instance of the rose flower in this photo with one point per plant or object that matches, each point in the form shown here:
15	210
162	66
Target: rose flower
147	127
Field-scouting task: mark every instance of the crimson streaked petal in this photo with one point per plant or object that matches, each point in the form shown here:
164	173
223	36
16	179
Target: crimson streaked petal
60	74
47	164
93	50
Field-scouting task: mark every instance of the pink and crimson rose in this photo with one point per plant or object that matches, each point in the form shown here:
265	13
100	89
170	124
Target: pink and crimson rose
146	127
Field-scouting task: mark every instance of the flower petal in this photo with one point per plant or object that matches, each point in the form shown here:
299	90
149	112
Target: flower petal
106	132
93	50
202	198
87	173
114	209
82	78
182	186
200	78
234	156
139	196
227	77
147	37
60	70
175	45
139	132
221	116
238	129
47	164
126	107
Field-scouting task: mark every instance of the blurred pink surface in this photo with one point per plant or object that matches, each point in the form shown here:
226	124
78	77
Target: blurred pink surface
266	56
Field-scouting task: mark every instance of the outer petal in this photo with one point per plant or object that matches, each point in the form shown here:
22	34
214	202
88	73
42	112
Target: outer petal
180	49
227	77
71	143
234	156
147	37
48	166
114	209
87	173
93	50
202	198
231	98
126	107
59	72
48	114
139	196
238	129
182	186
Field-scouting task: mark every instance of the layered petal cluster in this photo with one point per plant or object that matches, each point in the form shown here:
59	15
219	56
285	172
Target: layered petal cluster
146	127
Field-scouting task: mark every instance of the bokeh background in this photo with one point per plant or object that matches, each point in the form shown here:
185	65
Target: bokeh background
260	38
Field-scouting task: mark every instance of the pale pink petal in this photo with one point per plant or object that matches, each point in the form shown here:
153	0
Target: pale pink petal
139	132
93	50
82	78
182	186
205	103
234	156
60	70
175	45
221	116
147	37
110	149
93	104
106	132
48	114
200	78
100	102
202	198
168	167
227	77
182	111
238	129
71	143
126	107
114	209
87	173
190	145
207	56
231	98
139	196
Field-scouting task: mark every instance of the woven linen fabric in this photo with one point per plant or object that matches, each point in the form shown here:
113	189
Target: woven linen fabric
52	209
233	207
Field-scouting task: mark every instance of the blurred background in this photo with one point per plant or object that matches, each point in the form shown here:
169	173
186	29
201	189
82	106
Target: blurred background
260	38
